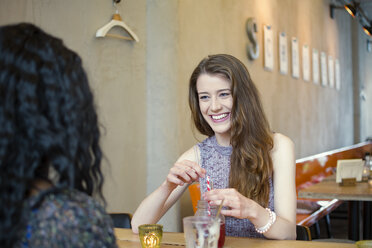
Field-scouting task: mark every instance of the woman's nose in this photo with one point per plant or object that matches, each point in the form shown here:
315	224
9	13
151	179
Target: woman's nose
215	105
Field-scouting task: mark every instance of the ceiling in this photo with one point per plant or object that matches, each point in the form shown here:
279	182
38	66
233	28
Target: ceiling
364	5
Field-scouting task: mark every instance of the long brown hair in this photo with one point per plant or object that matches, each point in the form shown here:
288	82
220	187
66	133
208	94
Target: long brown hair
251	137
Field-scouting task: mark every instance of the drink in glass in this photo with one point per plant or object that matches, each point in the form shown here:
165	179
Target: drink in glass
201	231
207	210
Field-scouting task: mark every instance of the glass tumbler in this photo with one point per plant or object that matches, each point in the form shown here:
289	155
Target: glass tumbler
205	210
201	231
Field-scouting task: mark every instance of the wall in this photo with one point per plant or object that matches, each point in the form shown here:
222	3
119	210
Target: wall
366	106
141	88
117	73
162	75
362	80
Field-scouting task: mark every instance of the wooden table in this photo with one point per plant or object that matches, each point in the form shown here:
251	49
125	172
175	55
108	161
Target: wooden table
125	238
361	193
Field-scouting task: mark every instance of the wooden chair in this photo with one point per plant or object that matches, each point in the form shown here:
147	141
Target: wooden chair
303	233
121	220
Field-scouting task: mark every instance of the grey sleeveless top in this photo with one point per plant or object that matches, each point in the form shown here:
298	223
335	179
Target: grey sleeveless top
215	159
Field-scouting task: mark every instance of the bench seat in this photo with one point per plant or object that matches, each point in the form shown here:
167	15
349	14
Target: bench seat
310	218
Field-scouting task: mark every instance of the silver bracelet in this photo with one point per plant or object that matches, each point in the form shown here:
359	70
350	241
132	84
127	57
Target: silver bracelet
266	227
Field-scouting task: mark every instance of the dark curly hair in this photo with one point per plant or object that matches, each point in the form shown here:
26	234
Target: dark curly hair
48	123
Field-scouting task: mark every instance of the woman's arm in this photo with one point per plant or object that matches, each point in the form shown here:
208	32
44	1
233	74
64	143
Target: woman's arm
284	195
154	206
284	189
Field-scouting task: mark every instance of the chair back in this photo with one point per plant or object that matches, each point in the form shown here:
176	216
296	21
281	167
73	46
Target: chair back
194	190
121	220
303	233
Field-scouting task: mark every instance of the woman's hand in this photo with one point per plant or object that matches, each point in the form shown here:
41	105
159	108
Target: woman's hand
238	205
184	171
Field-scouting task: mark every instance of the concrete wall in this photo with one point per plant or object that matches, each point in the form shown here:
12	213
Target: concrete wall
141	88
362	82
117	73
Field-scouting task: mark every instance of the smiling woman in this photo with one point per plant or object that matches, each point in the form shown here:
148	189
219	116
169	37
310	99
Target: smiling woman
252	168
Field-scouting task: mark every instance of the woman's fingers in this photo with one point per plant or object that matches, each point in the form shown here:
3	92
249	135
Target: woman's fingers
218	194
237	204
230	196
193	167
174	179
185	172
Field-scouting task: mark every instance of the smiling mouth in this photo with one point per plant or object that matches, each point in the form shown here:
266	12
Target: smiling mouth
220	117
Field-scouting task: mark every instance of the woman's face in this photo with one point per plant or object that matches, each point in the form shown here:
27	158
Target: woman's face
215	101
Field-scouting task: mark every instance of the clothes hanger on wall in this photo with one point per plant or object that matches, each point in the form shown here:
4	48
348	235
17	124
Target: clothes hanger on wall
116	22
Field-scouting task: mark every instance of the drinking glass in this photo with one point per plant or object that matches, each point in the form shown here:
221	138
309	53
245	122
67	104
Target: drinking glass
201	231
204	209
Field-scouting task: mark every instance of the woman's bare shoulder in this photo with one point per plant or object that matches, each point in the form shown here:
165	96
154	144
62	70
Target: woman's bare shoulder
190	154
283	151
281	141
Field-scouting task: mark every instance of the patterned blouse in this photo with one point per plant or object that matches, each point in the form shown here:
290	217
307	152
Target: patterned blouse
215	159
67	219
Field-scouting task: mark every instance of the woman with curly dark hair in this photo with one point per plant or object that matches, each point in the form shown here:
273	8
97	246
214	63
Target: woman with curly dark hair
50	156
252	168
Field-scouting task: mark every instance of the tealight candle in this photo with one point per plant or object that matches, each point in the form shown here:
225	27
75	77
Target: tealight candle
150	235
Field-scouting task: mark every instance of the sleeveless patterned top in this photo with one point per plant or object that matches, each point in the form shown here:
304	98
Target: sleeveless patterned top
215	159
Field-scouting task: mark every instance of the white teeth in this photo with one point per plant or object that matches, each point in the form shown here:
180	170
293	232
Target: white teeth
218	117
